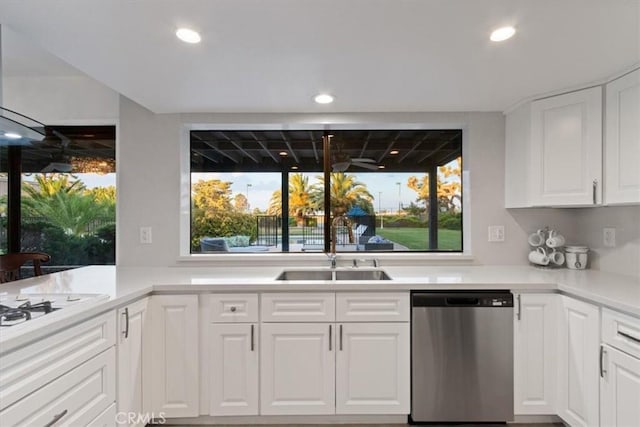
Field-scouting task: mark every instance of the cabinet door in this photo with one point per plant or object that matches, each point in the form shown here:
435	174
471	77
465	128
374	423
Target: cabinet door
534	361
620	389
131	325
297	369
622	140
566	149
578	373
174	381
233	369
372	368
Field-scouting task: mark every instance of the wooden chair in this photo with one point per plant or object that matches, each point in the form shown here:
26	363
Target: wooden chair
10	264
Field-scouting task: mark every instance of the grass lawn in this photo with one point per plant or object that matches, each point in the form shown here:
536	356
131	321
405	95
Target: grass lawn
416	238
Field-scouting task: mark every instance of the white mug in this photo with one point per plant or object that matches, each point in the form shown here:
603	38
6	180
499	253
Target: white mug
556	257
537	238
539	256
555	239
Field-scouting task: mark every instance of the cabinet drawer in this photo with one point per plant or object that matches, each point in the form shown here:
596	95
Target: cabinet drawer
298	307
107	418
234	308
75	399
29	368
621	331
372	307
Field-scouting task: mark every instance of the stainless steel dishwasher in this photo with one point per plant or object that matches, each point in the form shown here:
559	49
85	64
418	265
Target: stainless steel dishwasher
461	356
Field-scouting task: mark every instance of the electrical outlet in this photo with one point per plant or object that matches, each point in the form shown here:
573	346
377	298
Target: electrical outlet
609	237
145	235
496	233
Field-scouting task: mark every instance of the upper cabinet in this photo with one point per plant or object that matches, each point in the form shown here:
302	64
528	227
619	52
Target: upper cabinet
622	140
566	149
554	148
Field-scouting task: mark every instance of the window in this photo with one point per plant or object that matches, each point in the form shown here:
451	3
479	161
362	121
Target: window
399	190
67	202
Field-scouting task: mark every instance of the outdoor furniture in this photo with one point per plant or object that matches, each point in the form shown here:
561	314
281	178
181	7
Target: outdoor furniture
10	264
219	244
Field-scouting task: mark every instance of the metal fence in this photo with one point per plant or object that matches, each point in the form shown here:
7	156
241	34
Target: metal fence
267	229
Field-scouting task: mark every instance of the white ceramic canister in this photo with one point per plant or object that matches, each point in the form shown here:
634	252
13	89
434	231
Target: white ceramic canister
576	257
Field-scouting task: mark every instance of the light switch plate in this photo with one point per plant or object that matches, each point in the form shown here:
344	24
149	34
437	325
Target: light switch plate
609	237
145	235
496	233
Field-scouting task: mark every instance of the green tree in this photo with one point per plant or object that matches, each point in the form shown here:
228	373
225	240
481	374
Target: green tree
449	187
212	194
64	203
301	202
240	202
345	193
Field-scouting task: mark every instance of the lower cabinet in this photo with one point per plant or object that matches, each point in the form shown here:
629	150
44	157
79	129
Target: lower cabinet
578	364
373	368
132	323
297	369
535	354
174	383
233	369
619	389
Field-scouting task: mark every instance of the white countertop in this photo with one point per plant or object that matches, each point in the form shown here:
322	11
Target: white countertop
125	284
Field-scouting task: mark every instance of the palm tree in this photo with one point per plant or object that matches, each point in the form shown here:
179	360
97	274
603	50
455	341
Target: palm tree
346	192
300	201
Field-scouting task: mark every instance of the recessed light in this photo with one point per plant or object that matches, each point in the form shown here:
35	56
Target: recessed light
283	153
323	98
12	135
394	152
188	36
380	166
502	34
294	167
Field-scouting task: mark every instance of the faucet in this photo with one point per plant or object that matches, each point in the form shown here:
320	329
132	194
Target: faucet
334	234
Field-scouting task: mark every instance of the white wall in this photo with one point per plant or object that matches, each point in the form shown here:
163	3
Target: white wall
149	177
61	100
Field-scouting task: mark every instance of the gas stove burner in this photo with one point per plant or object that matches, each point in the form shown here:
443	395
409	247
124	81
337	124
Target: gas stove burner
10	316
44	306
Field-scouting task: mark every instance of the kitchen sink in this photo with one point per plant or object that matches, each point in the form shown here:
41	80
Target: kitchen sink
361	275
305	275
353	274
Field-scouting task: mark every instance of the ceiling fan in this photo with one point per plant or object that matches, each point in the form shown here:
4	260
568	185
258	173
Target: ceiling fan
340	161
60	162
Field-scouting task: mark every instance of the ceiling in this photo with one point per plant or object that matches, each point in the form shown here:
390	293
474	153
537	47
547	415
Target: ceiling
373	55
231	151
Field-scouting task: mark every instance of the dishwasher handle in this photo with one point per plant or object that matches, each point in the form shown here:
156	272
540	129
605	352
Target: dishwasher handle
462	302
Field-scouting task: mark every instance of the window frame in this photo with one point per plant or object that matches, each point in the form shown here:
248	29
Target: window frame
321	125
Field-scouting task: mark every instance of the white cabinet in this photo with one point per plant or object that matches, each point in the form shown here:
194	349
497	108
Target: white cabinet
566	149
535	341
233	355
622	140
132	321
174	385
578	373
372	368
620	389
620	370
297	369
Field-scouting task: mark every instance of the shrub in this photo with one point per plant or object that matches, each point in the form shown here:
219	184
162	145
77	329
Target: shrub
213	223
450	220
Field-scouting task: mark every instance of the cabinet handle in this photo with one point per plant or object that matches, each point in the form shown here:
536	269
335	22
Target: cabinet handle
126	323
56	418
330	338
340	337
595	190
252	334
603	352
233	309
629	337
519	312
